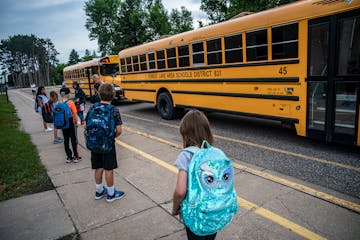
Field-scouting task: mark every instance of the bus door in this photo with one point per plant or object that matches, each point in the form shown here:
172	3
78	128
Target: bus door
334	78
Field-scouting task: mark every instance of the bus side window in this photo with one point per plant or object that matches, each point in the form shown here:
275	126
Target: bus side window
256	45
184	56
233	48
143	65
129	67
214	51
171	57
136	63
285	41
123	67
151	59
160	56
198	54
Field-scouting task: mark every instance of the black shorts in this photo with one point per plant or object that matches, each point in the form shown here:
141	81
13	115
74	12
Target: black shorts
106	161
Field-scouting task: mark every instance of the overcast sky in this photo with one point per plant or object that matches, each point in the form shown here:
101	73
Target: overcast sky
63	21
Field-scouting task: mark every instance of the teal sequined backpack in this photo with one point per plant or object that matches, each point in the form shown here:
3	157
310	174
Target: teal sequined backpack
211	200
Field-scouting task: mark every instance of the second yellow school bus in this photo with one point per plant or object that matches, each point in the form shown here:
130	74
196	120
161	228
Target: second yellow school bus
106	67
298	64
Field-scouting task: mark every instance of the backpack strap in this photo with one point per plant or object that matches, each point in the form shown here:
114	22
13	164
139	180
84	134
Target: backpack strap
191	149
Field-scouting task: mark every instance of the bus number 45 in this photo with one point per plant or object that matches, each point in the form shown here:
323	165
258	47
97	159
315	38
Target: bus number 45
283	70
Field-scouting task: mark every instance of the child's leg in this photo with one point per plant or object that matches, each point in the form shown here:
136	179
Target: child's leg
109	178
55	134
98	175
101	191
66	143
73	140
45	125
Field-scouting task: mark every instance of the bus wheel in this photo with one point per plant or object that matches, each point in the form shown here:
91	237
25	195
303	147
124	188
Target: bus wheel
165	106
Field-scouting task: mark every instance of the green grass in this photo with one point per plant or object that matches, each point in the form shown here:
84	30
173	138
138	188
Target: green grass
21	171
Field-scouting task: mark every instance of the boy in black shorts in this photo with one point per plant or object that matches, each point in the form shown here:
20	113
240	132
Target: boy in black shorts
107	161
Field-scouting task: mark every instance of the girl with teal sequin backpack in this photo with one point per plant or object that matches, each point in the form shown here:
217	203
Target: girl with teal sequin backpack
204	195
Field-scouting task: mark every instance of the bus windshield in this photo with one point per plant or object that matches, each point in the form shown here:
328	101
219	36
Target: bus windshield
109	69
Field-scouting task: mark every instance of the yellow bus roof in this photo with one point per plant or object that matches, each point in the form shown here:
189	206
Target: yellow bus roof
305	9
93	62
80	65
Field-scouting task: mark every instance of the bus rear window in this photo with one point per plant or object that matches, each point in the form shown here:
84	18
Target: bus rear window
184	56
214	51
285	41
233	48
256	45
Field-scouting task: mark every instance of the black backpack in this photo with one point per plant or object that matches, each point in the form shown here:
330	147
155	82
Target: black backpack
47	112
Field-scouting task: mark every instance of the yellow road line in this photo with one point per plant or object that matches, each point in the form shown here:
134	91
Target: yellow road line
299	187
262	146
242	202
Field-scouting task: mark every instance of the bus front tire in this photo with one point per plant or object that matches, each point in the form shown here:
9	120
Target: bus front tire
165	106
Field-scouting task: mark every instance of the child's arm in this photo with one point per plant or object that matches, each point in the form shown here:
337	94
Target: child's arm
73	111
180	192
118	130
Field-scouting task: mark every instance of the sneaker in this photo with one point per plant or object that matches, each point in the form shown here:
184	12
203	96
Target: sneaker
77	159
100	195
69	159
48	129
117	195
58	140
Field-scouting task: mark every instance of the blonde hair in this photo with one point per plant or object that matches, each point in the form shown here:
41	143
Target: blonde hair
195	128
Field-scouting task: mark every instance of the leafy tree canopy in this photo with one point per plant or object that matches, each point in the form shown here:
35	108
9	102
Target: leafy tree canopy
28	59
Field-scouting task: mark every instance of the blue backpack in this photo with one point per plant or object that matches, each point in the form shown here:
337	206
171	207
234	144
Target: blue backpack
211	200
62	115
100	128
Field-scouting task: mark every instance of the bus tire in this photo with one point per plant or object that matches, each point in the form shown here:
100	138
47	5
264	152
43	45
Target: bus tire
165	106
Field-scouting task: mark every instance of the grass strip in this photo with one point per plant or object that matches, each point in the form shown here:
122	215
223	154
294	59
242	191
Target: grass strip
21	171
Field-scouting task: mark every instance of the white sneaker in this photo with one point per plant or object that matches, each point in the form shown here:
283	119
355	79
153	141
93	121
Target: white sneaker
48	129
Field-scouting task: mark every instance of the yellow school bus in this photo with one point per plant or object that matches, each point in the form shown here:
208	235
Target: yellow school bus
298	64
107	68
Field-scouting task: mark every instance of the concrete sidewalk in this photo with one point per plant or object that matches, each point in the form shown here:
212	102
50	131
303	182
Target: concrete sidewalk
144	213
71	207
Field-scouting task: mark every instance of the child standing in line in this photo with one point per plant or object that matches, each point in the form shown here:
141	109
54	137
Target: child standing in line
40	100
194	129
54	99
106	162
80	100
70	132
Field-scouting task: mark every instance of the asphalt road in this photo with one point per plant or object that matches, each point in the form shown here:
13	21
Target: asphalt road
263	143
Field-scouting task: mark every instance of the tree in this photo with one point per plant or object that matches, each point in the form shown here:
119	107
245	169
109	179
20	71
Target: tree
180	21
221	10
131	28
102	22
215	9
28	59
74	57
158	21
87	56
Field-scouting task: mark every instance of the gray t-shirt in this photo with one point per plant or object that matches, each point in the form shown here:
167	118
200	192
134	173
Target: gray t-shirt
183	160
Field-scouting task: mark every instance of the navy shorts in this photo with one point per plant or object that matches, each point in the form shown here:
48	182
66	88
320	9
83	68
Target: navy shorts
106	161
